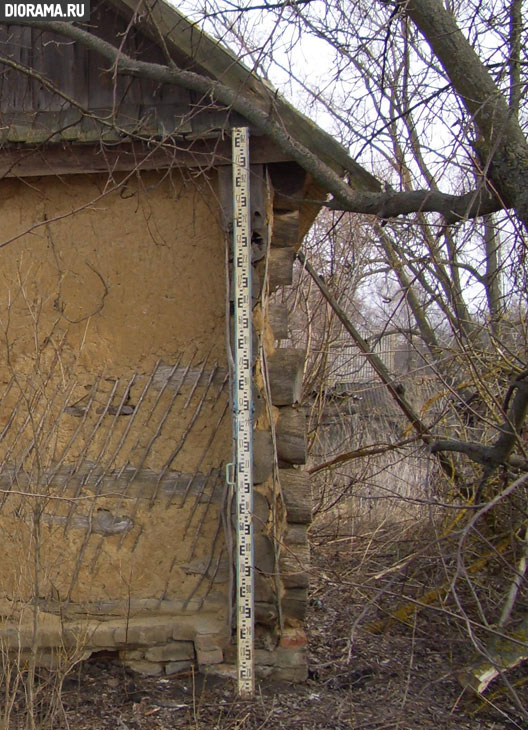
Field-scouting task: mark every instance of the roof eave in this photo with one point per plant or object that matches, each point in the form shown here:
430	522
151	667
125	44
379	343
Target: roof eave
166	25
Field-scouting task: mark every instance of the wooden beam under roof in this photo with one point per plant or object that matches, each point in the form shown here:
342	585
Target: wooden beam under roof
74	159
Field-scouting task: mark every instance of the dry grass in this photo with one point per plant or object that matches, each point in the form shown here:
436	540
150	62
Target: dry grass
403	677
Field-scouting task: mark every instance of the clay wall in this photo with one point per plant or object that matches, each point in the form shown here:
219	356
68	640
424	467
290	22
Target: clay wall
114	413
116	424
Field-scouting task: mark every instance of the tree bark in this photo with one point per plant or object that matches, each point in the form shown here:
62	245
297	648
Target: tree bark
501	145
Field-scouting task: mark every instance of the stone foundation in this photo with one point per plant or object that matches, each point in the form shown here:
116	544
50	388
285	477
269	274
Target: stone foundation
153	646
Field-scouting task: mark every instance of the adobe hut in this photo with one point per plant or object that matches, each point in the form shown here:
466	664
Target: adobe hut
115	414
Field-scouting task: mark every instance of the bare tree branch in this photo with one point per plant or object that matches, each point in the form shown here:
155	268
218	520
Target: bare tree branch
262	112
362	453
500	452
502	146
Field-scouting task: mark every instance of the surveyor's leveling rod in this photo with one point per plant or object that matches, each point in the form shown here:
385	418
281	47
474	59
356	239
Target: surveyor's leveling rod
243	416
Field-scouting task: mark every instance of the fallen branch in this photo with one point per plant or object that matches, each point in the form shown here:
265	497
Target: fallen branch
501	653
404	612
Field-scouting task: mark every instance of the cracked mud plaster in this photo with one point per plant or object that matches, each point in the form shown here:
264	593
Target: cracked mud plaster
91	303
153	567
128	278
90	300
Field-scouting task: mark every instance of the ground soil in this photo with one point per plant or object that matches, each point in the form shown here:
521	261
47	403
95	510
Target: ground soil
401	678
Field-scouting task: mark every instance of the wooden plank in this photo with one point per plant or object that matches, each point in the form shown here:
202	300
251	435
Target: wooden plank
68	480
280	267
210	120
39	132
184	37
18	126
105	90
278	320
285	368
289	181
258	199
64	64
126	116
75	159
136	607
297	495
184	40
26	161
44	99
285	228
168	375
82	75
310	210
163	120
92	130
103	522
217	571
291	436
16	87
22	96
260	205
5	73
225	198
70	121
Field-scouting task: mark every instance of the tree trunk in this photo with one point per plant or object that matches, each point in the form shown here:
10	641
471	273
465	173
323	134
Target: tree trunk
501	145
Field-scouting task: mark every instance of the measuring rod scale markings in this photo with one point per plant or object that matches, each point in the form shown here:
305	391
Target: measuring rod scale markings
243	412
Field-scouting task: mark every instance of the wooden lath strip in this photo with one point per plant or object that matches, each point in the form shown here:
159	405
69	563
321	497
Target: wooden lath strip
88	442
132	419
100	473
75	434
99	481
159	428
31	410
212	474
175	484
200	485
209	443
209	563
139	403
188	428
205	512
